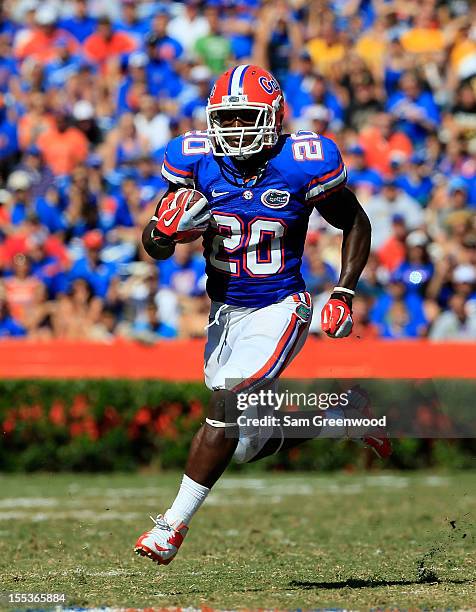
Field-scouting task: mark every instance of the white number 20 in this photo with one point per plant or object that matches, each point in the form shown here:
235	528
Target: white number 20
259	233
307	146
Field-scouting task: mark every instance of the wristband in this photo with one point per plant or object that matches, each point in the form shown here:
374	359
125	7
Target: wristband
343	290
154	218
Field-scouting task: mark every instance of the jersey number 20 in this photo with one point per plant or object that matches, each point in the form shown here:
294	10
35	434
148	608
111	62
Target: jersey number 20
261	243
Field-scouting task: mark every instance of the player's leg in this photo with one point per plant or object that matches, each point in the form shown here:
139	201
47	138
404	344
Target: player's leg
245	347
358	405
268	340
210	452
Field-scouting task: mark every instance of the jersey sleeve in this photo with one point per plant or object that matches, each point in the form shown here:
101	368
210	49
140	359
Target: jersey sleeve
179	167
328	174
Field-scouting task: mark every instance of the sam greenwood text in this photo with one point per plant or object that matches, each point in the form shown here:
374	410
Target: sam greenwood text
316	420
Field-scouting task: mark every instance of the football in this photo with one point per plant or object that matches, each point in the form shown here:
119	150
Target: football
186	198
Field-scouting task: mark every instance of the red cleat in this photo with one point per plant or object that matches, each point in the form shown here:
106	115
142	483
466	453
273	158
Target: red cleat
162	542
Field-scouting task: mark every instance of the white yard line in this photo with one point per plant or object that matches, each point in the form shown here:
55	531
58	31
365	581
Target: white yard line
75	515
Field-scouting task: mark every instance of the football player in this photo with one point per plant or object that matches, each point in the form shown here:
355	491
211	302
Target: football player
260	187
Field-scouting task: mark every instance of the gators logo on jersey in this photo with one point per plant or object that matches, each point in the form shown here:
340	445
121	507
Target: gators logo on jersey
274	198
304	312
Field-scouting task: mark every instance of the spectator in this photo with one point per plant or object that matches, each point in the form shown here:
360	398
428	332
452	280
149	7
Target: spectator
461	121
315	91
83	114
214	49
317	273
167	48
5	205
130	23
8	142
189	26
382	143
42	44
107	44
80	24
456	323
184	272
9	326
382	207
425	36
319	118
414	109
200	77
392	252
63	146
398	322
90	268
363	328
19	184
413	177
151	124
77	312
238	27
152	328
417	269
162	80
399	313
361	177
35	121
298	83
326	49
61	68
278	39
364	102
148	180
20	289
371	45
124	144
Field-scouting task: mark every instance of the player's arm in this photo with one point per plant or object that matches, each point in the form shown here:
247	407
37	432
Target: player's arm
156	244
178	169
343	211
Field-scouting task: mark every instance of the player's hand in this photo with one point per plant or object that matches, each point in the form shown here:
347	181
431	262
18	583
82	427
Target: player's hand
173	215
336	316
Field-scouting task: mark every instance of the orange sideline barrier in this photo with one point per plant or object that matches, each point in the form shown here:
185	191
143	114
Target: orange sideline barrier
183	360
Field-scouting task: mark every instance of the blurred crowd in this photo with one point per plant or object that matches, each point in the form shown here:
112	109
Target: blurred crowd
91	92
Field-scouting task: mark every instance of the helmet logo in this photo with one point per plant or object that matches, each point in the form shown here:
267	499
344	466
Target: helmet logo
274	198
242	99
269	85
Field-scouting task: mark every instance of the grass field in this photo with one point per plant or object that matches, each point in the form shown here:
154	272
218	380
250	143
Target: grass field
274	541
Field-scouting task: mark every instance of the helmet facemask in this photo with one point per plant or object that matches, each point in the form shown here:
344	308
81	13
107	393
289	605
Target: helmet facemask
260	129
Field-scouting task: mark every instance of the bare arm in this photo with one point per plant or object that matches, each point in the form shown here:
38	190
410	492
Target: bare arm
342	210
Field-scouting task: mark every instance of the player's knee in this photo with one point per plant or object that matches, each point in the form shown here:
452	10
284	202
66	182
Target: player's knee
222	409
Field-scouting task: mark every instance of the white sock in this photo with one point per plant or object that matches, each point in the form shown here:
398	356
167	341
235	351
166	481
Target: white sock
190	497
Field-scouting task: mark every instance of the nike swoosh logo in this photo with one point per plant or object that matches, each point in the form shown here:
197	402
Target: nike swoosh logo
168	222
215	194
342	312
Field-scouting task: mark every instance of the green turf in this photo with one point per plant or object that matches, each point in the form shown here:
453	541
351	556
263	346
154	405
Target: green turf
285	541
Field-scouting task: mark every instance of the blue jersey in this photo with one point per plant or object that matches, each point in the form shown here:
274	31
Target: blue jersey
254	244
